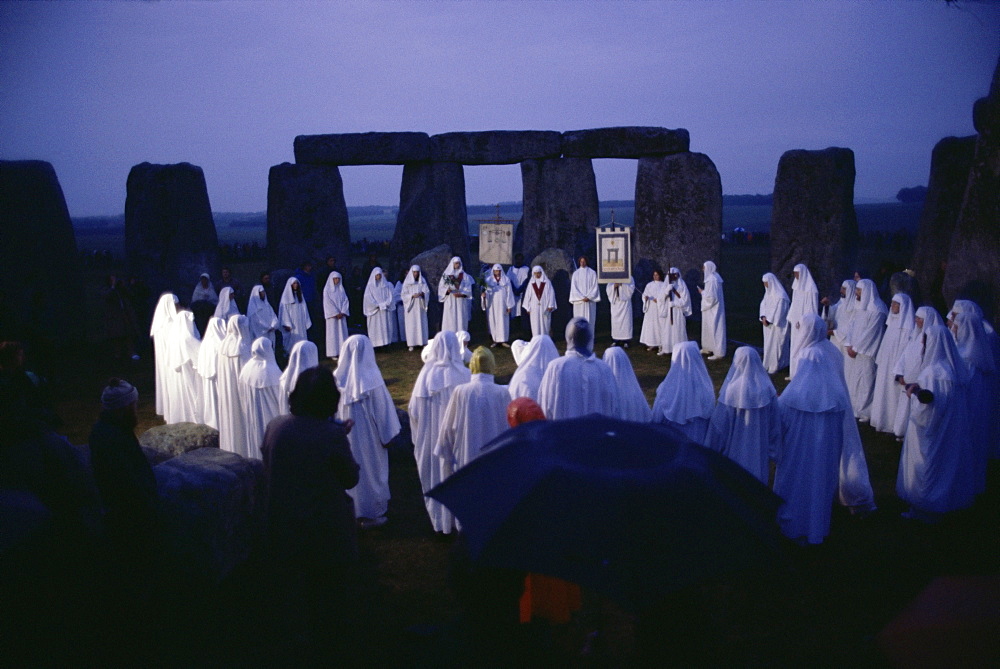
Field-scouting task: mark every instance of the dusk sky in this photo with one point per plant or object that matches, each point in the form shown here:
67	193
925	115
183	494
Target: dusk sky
97	87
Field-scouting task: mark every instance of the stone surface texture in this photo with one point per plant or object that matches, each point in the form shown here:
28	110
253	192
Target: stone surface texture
362	148
495	147
306	215
179	438
624	142
813	219
38	255
678	214
560	206
170	236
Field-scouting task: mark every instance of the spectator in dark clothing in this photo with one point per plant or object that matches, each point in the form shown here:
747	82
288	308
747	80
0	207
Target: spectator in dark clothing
119	320
229	281
308	282
329	267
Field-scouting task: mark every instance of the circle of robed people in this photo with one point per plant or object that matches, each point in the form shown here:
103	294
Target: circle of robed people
930	381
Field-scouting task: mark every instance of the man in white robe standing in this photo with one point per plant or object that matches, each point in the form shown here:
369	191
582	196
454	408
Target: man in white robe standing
974	348
632	403
183	382
260	314
539	301
336	311
365	400
713	314
861	347
204	291
774	321
293	314
379	309
160	330
498	301
908	366
579	383
234	353
584	292
686	397
838	315
673	309
899	327
620	299
805	301
531	366
227	304
455	295
208	370
260	381
652	294
416	295
304	355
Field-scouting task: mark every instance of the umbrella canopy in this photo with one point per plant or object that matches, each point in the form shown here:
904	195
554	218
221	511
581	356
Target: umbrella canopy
633	510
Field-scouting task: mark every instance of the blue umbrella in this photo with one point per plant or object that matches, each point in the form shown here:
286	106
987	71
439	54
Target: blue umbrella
632	510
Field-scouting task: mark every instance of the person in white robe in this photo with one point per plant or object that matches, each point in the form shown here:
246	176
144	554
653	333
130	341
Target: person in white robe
234	354
416	295
208	370
498	302
991	334
632	403
686	397
983	402
455	294
365	400
805	301
260	383
263	322
204	291
673	309
578	383
838	314
861	347
899	327
713	313
378	308
620	300
227	304
463	345
518	348
293	314
519	273
443	371
936	466
534	360
805	473
159	331
652	295
539	301
774	321
304	355
746	422
584	292
476	415
336	310
183	382
908	366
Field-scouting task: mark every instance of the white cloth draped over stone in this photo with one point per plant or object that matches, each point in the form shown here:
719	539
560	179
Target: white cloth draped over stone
539	301
632	403
713	312
908	366
620	299
685	398
159	330
234	353
456	310
336	309
260	314
652	295
517	276
303	356
208	369
416	295
674	308
577	385
227	304
974	349
260	383
365	400
183	382
584	294
899	329
497	302
527	378
774	308
378	308
475	416
293	315
936	466
746	423
805	301
864	336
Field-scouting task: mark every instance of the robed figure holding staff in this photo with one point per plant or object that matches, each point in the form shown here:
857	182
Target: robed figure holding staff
454	293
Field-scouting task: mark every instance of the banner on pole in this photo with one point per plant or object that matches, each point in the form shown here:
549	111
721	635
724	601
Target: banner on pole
496	243
614	254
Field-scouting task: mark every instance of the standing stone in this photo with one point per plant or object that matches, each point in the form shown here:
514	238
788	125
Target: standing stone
974	258
431	212
813	220
561	209
170	236
306	216
41	295
951	161
678	213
